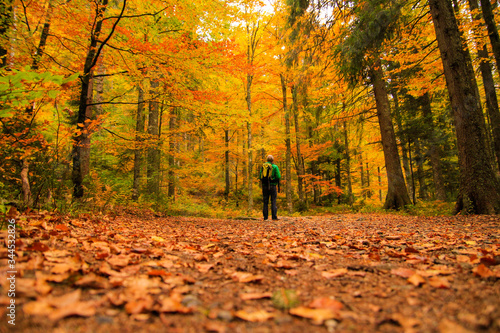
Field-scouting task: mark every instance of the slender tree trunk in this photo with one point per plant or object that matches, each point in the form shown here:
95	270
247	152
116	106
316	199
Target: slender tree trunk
153	169
171	153
288	153
80	166
419	159
249	139
489	88
434	149
479	188
397	194
226	165
350	198
403	139
299	161
139	138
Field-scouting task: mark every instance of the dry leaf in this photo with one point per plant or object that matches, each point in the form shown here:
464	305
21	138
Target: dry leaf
249	296
403	272
334	273
416	280
246	277
82	309
318	315
439	282
204	268
256	316
482	271
326	303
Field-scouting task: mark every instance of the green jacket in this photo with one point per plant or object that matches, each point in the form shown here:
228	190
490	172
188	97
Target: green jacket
275	175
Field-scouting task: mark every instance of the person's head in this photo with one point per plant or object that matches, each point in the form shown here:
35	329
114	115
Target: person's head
270	158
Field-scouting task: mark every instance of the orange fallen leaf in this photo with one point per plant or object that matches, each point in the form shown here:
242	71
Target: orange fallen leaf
249	296
326	303
334	273
204	268
403	272
482	271
318	315
246	277
416	280
439	282
82	309
256	316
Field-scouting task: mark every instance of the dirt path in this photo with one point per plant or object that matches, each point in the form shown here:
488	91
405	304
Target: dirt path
337	273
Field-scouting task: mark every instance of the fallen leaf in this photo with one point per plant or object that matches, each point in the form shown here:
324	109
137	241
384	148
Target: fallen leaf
326	303
82	309
439	282
482	271
416	280
204	268
334	273
245	277
256	316
448	326
403	272
318	315
249	296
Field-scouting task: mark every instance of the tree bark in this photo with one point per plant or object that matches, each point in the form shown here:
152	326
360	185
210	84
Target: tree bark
80	140
299	161
226	165
489	19
350	198
153	168
288	153
397	194
139	139
479	188
489	89
404	141
434	149
5	22
171	156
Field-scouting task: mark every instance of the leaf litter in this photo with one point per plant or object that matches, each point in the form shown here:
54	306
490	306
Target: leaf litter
333	273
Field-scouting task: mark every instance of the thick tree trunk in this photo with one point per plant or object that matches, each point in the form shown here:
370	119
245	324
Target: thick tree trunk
80	166
489	19
489	88
479	189
5	22
288	153
397	194
153	169
139	138
434	149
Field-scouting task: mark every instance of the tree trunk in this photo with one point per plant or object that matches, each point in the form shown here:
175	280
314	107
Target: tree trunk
139	138
80	166
249	138
288	154
350	198
5	22
226	165
489	88
299	161
397	194
171	150
403	139
479	188
434	149
489	19
419	159
153	169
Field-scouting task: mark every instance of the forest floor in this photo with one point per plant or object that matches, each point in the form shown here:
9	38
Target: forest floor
333	273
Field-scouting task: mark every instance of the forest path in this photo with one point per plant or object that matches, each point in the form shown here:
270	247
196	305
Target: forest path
333	273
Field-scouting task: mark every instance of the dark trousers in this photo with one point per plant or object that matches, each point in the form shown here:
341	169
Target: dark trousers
269	191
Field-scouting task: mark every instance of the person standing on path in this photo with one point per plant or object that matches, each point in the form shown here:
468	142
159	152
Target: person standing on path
270	179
